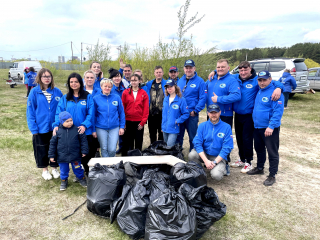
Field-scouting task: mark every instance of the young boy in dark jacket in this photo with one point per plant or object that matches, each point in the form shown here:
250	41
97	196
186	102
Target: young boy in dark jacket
67	146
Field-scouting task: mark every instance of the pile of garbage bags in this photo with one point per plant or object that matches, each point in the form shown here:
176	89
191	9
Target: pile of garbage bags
153	203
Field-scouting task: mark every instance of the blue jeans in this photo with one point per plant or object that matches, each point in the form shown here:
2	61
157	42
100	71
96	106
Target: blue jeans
76	167
108	141
170	138
191	124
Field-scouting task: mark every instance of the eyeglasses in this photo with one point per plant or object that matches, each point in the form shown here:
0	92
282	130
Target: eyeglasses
243	67
47	77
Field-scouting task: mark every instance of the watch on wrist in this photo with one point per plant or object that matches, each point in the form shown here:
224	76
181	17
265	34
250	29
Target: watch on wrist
215	163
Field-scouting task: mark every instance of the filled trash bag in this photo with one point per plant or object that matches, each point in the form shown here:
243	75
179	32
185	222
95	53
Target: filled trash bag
161	148
159	182
104	186
134	172
190	173
170	217
207	205
135	152
117	204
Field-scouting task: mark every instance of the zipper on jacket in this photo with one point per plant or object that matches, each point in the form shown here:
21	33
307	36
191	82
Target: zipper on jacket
108	109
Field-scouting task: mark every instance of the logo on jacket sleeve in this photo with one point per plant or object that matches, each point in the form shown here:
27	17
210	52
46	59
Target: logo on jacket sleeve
265	99
249	86
175	106
206	91
222	85
279	102
193	85
220	135
115	103
57	99
83	103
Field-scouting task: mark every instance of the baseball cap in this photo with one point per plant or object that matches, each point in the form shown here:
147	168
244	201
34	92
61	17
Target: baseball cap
264	74
213	108
190	63
170	83
173	68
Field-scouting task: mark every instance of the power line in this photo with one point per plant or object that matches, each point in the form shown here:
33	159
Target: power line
76	48
38	49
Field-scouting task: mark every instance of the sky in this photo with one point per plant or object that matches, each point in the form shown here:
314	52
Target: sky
43	30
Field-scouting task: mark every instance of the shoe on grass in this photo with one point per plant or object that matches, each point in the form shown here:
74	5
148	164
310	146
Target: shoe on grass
97	154
247	167
238	163
64	185
55	173
269	181
83	182
46	175
255	171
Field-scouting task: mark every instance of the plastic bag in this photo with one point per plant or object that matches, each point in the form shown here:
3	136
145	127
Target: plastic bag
104	186
190	173
117	204
134	172
170	217
135	152
207	205
161	148
159	182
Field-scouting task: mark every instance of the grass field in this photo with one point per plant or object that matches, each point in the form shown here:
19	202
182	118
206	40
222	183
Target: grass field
32	208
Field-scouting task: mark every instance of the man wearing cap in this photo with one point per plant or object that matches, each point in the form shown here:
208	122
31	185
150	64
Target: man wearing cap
173	74
213	143
193	89
266	116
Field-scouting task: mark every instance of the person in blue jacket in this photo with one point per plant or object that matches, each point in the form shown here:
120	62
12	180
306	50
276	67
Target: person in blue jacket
41	109
266	116
109	118
289	84
32	75
26	80
173	74
96	68
68	146
79	103
193	89
126	71
174	113
213	143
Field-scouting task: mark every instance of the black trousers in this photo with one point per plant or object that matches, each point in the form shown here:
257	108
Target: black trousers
132	138
29	89
261	143
243	125
41	143
154	125
229	120
92	151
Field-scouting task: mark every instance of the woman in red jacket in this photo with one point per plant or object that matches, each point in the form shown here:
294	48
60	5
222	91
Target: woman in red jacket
136	107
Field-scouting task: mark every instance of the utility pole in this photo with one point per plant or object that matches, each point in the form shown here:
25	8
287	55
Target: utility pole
71	52
81	54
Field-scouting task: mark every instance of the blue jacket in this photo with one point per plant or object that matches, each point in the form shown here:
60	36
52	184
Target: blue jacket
195	92
249	89
68	145
174	114
109	112
125	81
32	78
82	111
228	91
288	82
214	139
148	87
26	79
176	81
267	113
96	87
118	90
40	114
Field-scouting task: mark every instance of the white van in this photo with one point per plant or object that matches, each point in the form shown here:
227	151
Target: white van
16	71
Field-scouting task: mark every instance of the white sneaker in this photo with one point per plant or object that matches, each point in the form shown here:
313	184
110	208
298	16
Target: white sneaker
46	175
55	173
238	163
247	167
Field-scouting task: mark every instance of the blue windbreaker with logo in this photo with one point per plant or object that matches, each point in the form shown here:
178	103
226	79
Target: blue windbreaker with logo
267	113
40	114
173	114
82	111
214	139
148	87
32	79
288	82
195	92
227	90
96	87
109	112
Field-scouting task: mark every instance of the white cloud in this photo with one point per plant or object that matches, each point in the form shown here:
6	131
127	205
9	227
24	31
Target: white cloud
312	36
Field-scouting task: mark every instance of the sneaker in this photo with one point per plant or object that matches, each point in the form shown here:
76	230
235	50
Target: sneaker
269	181
228	170
247	167
46	175
255	171
97	154
238	163
64	185
83	182
55	173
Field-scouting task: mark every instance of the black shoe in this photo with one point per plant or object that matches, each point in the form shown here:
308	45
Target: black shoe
269	181
97	154
64	185
83	182
255	171
118	151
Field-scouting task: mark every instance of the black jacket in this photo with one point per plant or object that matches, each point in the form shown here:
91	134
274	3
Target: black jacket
68	145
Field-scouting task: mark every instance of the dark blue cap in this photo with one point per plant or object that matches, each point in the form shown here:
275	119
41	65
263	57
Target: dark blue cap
173	68
264	74
190	63
213	108
63	116
170	83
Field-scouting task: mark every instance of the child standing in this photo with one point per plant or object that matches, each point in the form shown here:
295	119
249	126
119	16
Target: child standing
67	146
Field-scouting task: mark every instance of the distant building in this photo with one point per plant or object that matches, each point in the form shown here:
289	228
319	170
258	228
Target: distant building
61	59
75	58
29	59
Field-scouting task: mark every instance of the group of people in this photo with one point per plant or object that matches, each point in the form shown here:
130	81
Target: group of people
99	113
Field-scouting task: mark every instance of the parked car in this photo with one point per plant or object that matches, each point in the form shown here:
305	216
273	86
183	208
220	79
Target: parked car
16	71
276	66
314	78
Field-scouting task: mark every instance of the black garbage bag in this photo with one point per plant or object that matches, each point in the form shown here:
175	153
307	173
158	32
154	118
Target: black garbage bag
134	152
104	186
170	217
207	205
190	172
134	172
159	182
117	204
161	148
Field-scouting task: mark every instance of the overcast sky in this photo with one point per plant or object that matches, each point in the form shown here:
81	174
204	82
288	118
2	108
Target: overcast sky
35	24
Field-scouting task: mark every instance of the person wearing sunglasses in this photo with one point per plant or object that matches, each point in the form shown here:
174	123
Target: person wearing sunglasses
194	91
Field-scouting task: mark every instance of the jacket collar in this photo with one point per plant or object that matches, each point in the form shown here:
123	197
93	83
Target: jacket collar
214	124
194	76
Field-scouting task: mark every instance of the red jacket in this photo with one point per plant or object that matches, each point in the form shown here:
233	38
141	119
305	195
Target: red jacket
136	110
